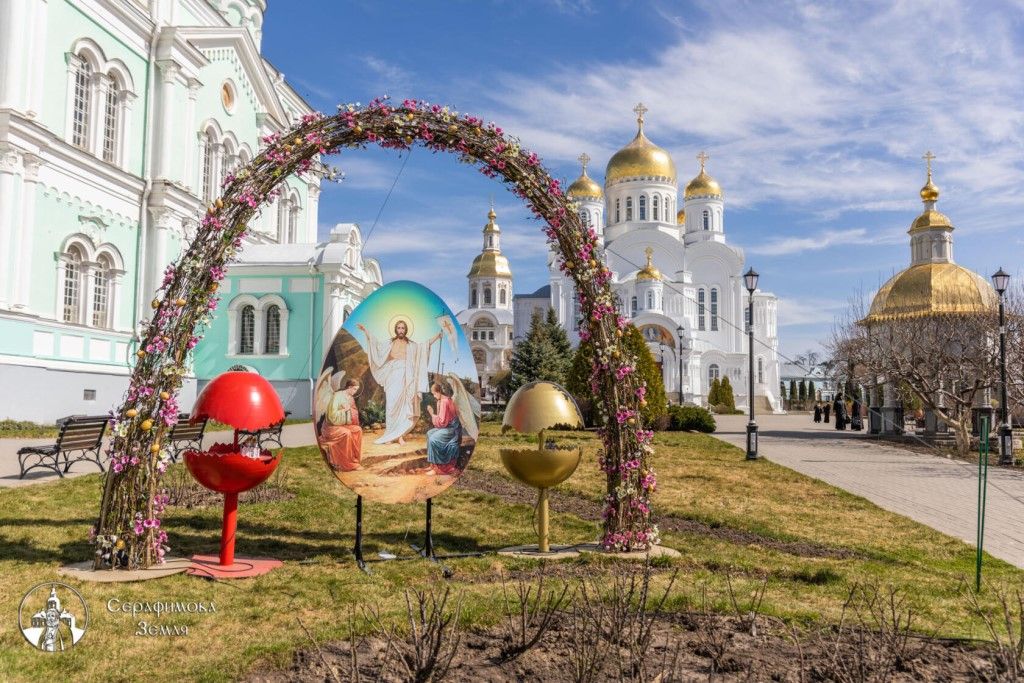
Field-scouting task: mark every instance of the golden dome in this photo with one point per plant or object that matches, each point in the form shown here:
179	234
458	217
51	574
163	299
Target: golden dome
490	262
929	193
930	219
703	185
641	158
648	272
932	289
680	216
584	187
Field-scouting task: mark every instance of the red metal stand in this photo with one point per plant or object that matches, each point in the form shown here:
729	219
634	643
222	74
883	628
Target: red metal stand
227	534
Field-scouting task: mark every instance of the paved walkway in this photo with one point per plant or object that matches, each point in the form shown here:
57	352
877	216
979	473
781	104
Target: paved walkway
292	435
933	490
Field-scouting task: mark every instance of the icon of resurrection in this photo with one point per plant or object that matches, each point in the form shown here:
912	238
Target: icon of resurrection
50	624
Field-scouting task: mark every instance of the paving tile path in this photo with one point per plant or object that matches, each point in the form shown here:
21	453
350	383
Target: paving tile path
930	489
291	436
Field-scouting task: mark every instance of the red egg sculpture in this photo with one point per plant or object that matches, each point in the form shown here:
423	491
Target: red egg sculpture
248	403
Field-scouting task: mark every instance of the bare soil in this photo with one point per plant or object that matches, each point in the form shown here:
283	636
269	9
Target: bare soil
685	647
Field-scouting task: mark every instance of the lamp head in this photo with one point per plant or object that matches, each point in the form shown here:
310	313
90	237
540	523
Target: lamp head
1000	280
750	279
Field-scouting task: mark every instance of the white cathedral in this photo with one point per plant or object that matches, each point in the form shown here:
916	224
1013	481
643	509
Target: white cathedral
676	278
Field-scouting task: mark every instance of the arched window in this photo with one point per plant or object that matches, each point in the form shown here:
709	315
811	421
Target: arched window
700	309
712	373
654	208
272	335
650	300
293	220
643	207
576	314
487	296
714	309
247	330
207	179
629	208
81	105
72	284
101	292
473	298
617	217
633	306
502	296
707	219
584	218
760	370
111	116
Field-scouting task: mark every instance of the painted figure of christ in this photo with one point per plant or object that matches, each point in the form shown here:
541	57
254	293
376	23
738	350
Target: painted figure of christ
399	365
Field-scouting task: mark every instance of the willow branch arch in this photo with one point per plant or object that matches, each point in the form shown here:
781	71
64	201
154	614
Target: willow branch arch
128	532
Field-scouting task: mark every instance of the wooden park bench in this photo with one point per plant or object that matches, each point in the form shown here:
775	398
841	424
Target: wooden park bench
271	436
184	436
79	434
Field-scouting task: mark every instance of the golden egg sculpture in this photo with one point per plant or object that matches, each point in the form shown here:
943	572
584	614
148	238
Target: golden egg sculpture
533	409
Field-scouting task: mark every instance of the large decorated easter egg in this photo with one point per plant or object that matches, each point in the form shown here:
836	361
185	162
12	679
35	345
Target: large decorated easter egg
396	406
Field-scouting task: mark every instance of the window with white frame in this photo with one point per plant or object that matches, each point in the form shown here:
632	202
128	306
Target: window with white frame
700	308
650	300
713	373
654	208
760	370
293	220
101	292
706	217
272	327
73	276
487	296
714	309
617	216
207	180
473	298
247	330
633	306
110	123
258	327
502	296
643	207
82	104
629	208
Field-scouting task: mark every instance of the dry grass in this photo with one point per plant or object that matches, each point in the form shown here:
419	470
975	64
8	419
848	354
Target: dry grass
257	622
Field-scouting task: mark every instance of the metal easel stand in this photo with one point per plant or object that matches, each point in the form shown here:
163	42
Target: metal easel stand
427	550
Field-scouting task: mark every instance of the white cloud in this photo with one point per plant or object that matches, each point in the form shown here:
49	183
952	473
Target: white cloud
816	242
809	311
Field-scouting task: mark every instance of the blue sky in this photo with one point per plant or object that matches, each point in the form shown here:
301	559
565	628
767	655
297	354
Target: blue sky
815	116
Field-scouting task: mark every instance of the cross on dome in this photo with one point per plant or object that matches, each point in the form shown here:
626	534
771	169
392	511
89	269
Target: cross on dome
702	157
584	159
928	156
640	110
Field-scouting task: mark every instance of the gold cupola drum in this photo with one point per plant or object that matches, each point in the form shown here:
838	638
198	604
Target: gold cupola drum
535	408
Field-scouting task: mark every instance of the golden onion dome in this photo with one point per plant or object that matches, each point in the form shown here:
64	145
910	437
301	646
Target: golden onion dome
703	185
930	192
490	262
932	289
930	218
584	187
641	158
680	216
648	272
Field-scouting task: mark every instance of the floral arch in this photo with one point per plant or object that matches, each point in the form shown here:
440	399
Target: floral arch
128	531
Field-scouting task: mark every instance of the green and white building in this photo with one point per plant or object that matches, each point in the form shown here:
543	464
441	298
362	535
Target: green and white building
118	121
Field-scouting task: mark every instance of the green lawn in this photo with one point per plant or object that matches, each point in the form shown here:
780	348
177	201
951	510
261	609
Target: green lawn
257	620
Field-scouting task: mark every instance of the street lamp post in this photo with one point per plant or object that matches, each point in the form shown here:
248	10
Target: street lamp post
750	279
1001	280
679	332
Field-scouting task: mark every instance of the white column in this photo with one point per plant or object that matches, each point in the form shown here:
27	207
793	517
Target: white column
114	304
22	246
312	212
161	222
37	82
190	174
165	118
10	166
13	16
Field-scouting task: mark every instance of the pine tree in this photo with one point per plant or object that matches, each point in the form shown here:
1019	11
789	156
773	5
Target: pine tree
714	393
792	390
534	357
725	394
812	392
802	390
